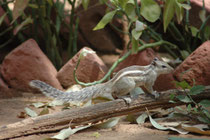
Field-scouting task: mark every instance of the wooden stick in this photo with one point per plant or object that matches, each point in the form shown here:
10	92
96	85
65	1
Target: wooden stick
92	114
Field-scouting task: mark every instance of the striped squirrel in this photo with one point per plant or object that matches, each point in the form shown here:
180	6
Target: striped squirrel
120	85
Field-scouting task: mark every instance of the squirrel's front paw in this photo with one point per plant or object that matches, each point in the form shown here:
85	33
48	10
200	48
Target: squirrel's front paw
128	100
156	94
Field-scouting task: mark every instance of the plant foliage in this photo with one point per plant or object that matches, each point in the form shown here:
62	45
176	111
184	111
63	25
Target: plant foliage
193	108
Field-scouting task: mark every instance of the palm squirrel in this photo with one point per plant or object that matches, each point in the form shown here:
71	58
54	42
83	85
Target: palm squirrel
121	84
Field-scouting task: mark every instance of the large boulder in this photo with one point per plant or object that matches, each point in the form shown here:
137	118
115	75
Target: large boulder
25	63
5	91
91	68
196	7
196	67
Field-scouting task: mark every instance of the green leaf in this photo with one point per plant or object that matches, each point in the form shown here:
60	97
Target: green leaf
150	10
189	107
156	125
195	110
85	4
30	112
183	85
183	98
194	31
24	23
203	119
207	113
205	103
105	20
172	96
136	34
186	6
108	124
135	45
44	111
168	13
19	7
2	18
179	11
123	3
141	119
171	101
160	127
63	134
202	15
197	89
184	53
114	2
130	11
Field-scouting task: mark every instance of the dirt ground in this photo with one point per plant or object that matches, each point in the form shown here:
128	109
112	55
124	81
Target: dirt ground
10	108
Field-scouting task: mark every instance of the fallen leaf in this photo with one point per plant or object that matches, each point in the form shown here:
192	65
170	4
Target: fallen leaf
30	112
160	127
197	129
44	111
141	119
156	125
108	124
65	133
38	105
56	103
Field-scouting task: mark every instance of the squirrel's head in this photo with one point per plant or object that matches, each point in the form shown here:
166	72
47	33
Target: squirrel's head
161	67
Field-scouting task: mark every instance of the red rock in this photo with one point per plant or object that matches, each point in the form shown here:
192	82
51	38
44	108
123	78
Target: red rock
3	86
5	91
25	63
91	68
196	66
163	82
196	6
200	3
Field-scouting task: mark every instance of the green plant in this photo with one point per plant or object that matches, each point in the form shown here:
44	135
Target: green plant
42	21
193	108
144	22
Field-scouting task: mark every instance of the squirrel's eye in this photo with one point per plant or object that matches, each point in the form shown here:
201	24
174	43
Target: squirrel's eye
155	59
163	66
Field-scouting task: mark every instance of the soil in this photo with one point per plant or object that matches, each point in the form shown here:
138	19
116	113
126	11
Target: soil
11	108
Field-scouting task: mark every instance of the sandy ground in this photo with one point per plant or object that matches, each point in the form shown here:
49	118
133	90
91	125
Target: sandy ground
10	108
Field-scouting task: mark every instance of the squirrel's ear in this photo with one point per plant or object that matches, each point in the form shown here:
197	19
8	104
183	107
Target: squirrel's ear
154	62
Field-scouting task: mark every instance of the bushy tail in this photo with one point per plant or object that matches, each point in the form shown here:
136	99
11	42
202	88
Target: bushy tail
82	95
